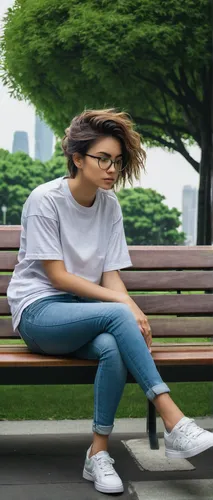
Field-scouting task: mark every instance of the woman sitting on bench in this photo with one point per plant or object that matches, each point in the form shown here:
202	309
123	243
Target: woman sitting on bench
66	295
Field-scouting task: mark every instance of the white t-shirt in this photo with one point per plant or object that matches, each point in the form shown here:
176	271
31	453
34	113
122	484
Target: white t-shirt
90	240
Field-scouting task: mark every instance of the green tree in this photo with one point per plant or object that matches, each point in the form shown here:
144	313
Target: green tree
149	57
19	174
147	220
57	165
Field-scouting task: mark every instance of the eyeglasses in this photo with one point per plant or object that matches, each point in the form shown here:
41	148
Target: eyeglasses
105	163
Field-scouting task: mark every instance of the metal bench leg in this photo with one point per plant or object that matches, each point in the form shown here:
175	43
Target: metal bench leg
151	426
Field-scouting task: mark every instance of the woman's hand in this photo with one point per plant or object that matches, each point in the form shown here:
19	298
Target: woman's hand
142	321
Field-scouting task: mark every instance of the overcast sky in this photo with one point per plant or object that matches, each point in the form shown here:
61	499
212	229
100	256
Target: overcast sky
167	173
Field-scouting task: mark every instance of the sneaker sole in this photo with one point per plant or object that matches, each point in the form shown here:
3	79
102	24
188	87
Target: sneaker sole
188	454
99	487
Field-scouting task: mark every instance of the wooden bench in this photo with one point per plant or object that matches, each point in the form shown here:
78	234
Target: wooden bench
156	268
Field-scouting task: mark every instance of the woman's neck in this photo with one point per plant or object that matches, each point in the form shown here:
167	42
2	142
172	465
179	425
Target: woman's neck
85	196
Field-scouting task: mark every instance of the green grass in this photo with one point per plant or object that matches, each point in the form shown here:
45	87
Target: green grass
178	340
73	402
12	341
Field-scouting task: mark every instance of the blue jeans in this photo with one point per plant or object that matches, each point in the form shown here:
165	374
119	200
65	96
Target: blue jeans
92	329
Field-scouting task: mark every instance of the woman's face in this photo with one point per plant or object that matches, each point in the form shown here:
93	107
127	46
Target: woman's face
105	148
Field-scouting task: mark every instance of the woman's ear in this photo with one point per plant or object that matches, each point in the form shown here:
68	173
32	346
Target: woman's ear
77	160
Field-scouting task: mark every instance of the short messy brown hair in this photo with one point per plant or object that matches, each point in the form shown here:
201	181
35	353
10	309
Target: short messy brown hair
93	124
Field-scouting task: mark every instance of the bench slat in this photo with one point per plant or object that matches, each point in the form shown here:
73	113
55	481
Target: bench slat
161	327
158	304
143	257
8	260
171	257
167	280
175	304
153	280
163	355
10	236
157	346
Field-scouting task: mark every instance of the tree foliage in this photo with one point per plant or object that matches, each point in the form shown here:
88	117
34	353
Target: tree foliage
147	220
149	57
19	175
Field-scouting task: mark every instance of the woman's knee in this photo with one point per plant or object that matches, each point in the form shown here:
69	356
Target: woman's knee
120	315
110	354
106	344
121	310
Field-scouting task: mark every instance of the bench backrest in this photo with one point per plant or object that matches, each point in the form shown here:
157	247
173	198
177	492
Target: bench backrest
166	270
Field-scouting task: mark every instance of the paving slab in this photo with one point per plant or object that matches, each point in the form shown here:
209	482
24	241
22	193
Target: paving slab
154	461
49	467
175	490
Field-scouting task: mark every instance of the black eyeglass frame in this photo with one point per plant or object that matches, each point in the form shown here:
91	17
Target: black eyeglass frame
101	158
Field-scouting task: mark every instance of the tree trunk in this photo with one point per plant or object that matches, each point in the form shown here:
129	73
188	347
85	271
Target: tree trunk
211	111
205	195
204	219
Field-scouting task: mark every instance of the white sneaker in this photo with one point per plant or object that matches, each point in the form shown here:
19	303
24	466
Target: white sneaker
187	439
99	469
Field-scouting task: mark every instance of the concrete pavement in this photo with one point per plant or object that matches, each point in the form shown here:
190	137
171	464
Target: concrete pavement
122	425
47	465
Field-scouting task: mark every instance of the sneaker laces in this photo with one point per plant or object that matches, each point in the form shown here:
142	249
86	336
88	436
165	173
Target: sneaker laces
191	429
105	463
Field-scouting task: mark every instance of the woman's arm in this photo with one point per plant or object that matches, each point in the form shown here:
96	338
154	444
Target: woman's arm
67	282
112	280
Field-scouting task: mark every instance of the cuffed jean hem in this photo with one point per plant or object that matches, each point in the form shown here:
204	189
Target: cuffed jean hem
105	430
156	390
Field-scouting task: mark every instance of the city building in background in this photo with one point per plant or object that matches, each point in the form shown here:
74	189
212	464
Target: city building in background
189	214
20	142
43	140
